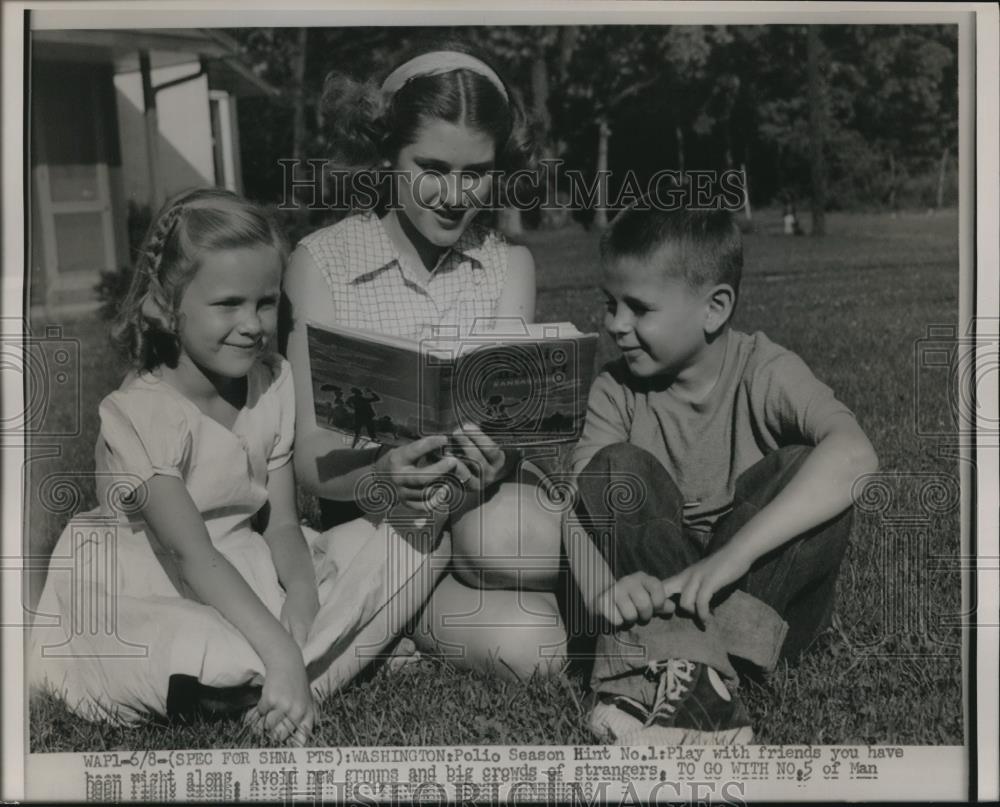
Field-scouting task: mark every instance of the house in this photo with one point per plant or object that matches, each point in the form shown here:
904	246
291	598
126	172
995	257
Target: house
120	120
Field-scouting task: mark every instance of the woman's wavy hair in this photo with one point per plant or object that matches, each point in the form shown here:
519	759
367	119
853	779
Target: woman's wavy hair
187	227
367	127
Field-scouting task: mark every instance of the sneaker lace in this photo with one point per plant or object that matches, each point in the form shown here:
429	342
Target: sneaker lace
673	676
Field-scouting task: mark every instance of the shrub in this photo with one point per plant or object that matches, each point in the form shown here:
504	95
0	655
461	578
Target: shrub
111	290
112	286
296	223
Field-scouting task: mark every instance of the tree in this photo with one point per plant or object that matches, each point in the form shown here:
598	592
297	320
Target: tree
300	135
817	132
535	58
614	66
298	60
907	111
866	114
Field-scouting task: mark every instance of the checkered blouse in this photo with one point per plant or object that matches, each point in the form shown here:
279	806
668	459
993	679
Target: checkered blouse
373	287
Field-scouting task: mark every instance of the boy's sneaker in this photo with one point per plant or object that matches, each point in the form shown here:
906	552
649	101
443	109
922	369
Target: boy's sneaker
617	716
692	707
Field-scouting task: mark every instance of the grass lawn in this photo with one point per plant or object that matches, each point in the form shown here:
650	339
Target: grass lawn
853	305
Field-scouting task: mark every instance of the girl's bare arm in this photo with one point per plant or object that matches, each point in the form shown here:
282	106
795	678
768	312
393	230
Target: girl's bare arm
322	465
173	517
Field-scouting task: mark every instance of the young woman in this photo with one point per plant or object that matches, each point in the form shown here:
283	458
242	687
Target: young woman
439	125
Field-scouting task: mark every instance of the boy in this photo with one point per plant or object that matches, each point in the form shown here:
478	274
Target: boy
714	480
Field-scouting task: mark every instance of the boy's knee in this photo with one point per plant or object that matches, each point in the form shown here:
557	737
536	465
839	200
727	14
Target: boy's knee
622	457
621	463
627	479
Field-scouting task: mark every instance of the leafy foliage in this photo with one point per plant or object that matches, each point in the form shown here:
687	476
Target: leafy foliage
695	96
112	286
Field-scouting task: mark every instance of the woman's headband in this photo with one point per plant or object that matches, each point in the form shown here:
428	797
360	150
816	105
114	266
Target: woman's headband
437	62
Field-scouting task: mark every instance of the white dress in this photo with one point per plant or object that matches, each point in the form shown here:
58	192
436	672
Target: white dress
112	626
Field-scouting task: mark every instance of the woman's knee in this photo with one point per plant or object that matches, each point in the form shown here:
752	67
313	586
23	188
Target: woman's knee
512	540
522	653
512	634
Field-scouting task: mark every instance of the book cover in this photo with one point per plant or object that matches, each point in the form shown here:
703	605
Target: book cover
522	386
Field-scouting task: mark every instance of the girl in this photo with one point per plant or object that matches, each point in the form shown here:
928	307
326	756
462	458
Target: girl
440	124
211	584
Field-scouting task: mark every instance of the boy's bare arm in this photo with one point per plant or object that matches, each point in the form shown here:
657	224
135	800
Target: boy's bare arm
819	491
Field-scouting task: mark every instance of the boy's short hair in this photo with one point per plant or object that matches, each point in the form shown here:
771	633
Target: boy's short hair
709	241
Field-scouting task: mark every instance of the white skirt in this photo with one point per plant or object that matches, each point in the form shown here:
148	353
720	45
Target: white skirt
111	628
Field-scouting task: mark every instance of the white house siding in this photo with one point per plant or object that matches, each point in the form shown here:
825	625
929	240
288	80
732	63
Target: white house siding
185	145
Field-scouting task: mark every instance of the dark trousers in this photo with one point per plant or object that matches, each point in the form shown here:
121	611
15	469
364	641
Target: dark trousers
775	611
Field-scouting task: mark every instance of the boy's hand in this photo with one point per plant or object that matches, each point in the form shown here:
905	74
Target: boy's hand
299	611
479	454
700	581
637	597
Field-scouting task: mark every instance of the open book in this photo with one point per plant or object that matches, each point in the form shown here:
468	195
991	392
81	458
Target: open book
521	384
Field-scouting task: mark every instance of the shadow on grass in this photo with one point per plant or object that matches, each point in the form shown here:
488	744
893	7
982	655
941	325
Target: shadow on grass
426	702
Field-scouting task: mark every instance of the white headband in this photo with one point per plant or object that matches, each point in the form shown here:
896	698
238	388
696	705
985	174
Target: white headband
437	62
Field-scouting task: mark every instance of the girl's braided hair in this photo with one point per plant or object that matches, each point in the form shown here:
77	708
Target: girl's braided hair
190	224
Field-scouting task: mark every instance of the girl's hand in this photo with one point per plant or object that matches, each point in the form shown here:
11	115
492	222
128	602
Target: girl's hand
286	709
414	482
637	597
483	459
700	581
299	611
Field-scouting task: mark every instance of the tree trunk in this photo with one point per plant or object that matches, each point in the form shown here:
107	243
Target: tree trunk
540	95
817	129
892	182
568	36
746	193
601	212
942	176
299	135
551	218
679	133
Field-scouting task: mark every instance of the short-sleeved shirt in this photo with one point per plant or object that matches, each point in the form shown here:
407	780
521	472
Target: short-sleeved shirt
765	398
375	289
123	577
148	428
